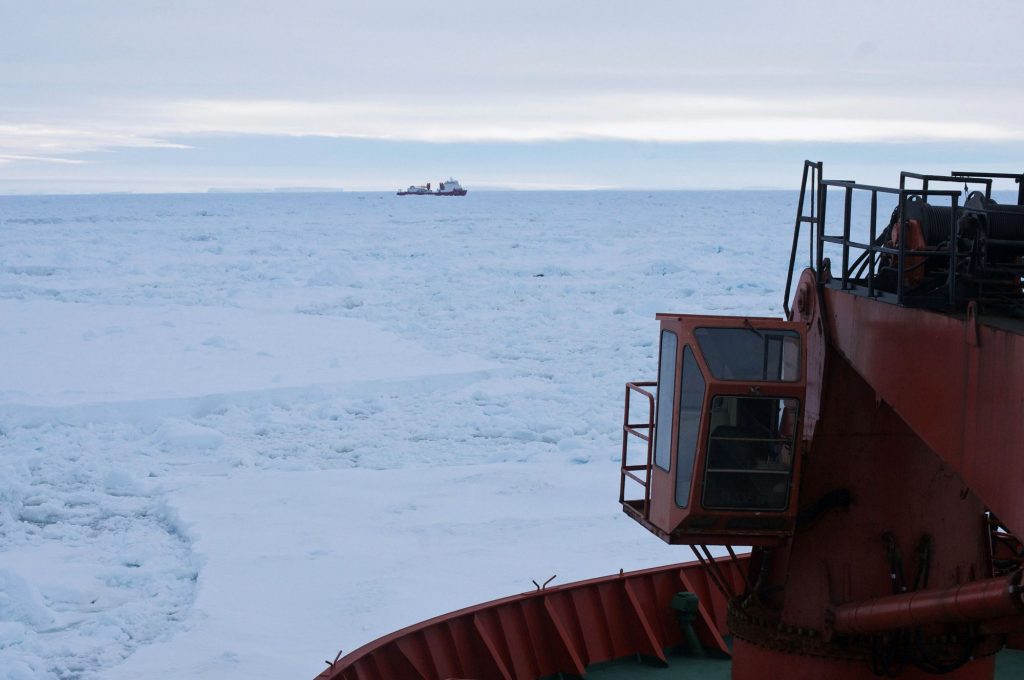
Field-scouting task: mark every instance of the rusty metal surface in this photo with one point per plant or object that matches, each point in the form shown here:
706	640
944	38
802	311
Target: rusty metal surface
555	630
896	486
976	601
955	381
895	436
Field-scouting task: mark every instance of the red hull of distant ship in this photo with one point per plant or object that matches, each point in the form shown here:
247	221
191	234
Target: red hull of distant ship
457	192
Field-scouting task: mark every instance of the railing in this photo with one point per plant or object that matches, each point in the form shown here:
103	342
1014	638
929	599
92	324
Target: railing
812	172
556	631
875	247
644	432
863	271
1018	178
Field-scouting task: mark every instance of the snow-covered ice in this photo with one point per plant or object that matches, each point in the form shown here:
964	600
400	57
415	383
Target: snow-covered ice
240	432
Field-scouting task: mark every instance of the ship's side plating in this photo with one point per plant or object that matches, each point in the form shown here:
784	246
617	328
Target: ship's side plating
556	631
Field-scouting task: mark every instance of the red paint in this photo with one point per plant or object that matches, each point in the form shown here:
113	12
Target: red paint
559	629
695	524
977	601
972	371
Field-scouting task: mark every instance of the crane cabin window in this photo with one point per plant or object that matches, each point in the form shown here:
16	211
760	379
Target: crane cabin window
666	400
750	354
691	402
750	453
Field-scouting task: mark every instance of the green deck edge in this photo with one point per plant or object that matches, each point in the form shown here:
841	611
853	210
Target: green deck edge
1009	666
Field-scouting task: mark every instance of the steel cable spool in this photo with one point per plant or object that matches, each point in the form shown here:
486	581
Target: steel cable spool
934	220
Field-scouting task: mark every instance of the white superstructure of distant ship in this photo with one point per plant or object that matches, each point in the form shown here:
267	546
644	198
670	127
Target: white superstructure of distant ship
449	187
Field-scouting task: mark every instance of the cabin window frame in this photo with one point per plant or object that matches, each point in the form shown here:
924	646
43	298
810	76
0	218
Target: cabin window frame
714	357
688	426
671	394
793	441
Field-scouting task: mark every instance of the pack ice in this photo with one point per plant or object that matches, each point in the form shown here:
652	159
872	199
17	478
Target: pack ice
242	432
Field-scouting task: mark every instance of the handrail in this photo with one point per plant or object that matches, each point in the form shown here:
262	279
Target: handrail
875	248
644	432
950	272
812	219
813	183
1018	178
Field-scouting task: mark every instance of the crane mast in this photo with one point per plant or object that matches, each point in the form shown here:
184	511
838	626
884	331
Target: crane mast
868	446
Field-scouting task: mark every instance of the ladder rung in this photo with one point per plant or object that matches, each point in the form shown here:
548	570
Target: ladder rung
641	482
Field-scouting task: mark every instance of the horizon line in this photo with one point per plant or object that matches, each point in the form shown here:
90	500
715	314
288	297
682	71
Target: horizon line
321	191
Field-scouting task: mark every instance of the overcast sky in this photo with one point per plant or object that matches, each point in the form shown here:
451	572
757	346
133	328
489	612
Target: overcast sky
100	95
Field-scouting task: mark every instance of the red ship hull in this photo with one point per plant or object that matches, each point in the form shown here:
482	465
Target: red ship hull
561	629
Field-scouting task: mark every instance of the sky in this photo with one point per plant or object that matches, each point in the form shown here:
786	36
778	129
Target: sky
98	95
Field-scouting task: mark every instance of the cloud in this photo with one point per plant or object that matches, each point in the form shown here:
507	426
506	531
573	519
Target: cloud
130	75
59	143
656	116
11	158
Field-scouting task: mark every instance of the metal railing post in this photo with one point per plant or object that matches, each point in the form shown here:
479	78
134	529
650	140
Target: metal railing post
951	279
815	172
796	239
847	206
871	243
650	459
625	449
822	198
903	239
628	428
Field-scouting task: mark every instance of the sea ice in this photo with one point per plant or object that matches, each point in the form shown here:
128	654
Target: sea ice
241	432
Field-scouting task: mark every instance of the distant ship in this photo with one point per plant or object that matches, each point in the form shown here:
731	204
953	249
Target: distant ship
451	187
